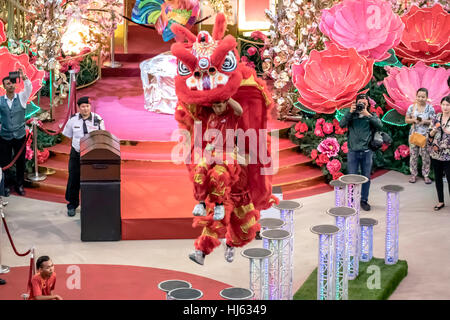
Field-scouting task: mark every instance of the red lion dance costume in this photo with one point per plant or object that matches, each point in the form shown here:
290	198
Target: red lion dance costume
209	72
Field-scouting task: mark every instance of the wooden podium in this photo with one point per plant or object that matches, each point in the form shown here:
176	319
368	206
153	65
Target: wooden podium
100	187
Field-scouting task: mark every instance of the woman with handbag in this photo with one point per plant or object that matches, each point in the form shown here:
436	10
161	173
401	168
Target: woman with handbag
419	115
439	139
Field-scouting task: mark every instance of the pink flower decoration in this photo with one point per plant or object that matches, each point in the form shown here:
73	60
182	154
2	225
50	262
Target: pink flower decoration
334	166
251	51
401	152
342	73
328	128
2	32
320	121
314	154
329	146
9	62
402	84
369	26
384	147
344	147
29	153
258	35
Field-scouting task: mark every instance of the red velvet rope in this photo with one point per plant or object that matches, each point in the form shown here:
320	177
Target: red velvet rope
18	154
11	241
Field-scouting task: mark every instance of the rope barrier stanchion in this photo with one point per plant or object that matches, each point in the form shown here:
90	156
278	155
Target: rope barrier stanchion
36	176
10	238
31	272
3	268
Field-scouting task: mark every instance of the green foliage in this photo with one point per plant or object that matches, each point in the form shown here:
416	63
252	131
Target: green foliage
358	289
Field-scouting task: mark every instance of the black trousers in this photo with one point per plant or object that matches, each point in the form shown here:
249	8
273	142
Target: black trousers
73	183
6	155
441	167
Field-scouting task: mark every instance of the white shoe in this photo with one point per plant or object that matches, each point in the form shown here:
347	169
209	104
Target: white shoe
198	257
219	212
199	210
229	253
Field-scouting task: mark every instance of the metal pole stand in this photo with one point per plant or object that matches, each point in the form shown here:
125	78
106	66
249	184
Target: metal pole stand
269	224
184	294
327	258
287	209
236	294
3	268
170	285
259	280
353	184
367	238
279	264
342	215
112	63
36	176
339	193
392	219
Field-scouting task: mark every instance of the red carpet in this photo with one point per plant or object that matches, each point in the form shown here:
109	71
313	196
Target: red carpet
110	282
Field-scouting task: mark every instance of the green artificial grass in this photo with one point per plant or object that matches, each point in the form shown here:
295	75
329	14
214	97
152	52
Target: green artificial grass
358	289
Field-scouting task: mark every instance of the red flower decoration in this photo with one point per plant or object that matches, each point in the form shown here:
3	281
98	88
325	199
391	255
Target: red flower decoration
337	175
322	159
10	62
314	154
318	132
328	128
42	156
384	147
299	135
426	36
344	147
342	73
2	32
337	127
301	127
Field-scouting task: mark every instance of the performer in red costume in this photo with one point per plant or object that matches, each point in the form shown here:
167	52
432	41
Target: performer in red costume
213	89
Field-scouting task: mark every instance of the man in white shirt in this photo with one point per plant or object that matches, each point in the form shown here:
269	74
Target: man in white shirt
12	133
78	125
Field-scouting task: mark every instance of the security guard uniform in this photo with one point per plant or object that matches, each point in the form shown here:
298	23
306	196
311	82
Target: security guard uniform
75	129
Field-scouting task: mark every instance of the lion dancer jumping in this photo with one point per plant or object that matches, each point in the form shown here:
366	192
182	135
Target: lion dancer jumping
225	97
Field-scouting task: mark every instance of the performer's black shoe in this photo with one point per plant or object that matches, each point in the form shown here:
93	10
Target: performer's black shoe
2	281
258	236
71	212
229	253
7	192
20	191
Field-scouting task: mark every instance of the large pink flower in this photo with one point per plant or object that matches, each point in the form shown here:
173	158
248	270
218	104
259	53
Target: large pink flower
402	84
369	26
426	37
330	79
2	32
11	62
329	146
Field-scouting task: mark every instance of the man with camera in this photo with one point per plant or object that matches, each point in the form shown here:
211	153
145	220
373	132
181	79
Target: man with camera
361	125
12	119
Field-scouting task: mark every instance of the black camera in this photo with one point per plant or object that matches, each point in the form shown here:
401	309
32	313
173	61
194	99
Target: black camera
419	119
360	107
13	76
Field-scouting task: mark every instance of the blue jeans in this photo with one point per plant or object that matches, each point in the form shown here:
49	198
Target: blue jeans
357	160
